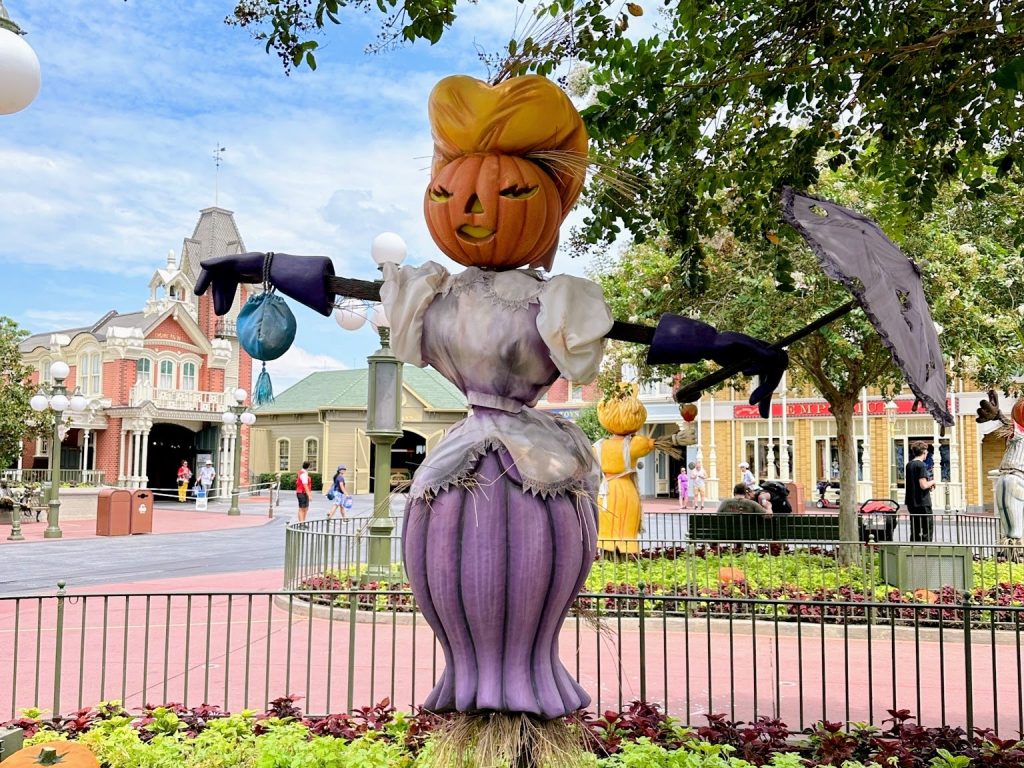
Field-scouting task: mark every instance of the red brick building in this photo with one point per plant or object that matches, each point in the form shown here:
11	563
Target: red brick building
158	380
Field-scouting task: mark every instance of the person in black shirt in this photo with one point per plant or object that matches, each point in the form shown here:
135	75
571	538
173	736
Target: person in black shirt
919	493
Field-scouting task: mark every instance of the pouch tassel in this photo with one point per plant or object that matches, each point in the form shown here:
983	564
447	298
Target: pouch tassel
264	391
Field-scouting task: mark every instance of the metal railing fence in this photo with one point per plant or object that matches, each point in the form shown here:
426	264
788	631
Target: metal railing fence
42	476
958	664
334	553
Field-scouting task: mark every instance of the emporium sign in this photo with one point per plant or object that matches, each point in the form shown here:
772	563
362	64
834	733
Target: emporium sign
820	409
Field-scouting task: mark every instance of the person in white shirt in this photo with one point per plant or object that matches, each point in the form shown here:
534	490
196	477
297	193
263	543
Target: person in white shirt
747	477
206	477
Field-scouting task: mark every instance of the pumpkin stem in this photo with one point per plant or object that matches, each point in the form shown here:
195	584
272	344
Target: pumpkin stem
48	756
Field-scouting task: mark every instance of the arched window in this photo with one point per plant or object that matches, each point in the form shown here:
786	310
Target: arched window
166	374
144	371
284	449
312	453
188	377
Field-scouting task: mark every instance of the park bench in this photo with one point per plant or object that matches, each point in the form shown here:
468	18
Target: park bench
30	504
751	527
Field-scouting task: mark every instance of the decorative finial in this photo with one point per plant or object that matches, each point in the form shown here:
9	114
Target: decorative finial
217	154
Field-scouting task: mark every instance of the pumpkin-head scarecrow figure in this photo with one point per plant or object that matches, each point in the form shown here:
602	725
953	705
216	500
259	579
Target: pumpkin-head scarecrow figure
500	529
622	414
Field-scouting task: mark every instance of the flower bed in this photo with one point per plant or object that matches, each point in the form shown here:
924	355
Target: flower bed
172	736
780	580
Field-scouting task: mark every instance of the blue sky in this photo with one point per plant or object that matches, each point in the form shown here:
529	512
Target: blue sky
107	170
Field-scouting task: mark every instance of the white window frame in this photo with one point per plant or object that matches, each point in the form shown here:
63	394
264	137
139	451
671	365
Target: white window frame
96	373
286	457
189	382
148	380
160	374
314	462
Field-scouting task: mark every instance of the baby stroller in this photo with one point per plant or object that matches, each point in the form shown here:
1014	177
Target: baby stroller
878	519
828	494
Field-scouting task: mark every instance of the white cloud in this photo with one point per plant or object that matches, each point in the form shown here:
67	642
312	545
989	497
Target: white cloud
57	319
295	365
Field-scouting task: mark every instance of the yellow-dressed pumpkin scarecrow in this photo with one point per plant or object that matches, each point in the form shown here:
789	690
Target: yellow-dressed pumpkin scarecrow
619	518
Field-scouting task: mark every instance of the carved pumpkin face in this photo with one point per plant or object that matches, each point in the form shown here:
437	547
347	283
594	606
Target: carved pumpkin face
494	211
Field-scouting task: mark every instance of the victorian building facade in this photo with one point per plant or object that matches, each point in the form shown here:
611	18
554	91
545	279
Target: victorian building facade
157	380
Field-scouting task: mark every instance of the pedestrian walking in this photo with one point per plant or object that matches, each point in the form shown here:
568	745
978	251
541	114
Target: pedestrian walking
683	484
184	476
206	477
303	490
698	480
918	497
338	493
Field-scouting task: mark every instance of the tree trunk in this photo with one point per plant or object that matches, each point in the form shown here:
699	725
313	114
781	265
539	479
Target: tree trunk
849	530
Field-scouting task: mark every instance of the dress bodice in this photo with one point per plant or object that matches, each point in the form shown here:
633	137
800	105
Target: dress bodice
502	338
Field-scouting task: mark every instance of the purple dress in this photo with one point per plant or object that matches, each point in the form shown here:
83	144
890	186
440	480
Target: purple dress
500	527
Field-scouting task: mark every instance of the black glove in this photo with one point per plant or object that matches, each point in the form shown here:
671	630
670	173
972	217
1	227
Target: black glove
303	278
683	340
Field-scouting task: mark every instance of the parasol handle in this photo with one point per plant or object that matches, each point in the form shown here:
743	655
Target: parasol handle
692	391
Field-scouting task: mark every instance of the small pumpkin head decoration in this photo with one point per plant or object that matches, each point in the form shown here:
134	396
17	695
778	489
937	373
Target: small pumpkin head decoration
1017	414
621	412
509	163
66	754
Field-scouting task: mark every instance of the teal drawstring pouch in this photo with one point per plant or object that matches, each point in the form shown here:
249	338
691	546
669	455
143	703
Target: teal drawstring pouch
266	330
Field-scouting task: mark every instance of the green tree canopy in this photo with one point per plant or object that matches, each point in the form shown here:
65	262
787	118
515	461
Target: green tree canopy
706	117
973	281
15	414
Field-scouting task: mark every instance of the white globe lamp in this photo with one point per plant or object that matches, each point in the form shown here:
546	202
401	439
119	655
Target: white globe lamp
240	395
380	317
38	402
78	403
59	403
228	418
19	68
349	316
248	418
59	370
388	248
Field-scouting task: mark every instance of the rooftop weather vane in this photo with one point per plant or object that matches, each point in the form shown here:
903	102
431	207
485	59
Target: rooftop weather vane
216	179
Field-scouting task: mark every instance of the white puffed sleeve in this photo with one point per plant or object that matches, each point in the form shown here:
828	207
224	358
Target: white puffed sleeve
573	321
406	294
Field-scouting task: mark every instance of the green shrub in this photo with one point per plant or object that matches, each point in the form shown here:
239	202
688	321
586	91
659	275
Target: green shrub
288	479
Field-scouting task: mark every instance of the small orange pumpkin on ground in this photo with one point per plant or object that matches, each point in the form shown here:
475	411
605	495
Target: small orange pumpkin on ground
925	596
66	754
729	575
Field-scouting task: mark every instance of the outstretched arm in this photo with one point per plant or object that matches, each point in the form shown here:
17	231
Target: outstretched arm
311	281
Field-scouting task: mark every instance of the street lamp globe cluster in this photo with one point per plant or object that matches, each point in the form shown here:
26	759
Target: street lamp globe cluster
236	414
19	67
383	404
54	398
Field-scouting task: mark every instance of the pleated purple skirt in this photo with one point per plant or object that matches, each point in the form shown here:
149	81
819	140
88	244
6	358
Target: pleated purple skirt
494	571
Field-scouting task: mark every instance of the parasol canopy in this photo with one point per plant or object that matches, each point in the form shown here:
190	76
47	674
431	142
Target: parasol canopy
853	250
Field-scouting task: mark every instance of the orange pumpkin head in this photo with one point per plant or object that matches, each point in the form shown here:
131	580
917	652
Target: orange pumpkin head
1018	413
493	210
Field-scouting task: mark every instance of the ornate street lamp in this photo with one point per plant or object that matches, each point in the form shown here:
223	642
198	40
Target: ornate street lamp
236	415
383	408
19	67
54	397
